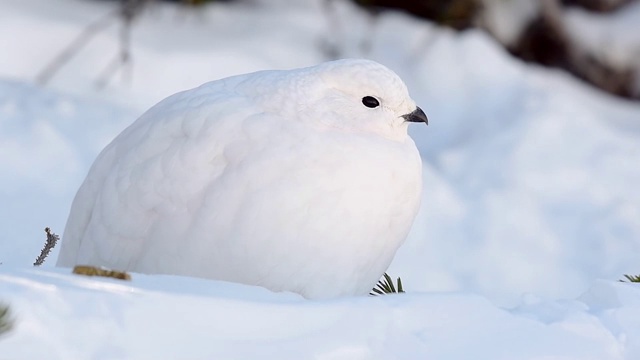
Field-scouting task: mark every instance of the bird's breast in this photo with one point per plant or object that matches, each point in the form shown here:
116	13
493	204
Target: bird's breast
329	208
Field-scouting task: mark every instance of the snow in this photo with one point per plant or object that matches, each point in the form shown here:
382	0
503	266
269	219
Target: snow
147	318
530	208
47	142
611	37
508	19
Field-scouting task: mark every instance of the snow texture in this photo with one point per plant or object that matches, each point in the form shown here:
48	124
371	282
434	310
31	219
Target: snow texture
508	19
71	317
611	37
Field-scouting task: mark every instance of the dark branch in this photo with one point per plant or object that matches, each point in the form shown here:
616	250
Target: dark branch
52	239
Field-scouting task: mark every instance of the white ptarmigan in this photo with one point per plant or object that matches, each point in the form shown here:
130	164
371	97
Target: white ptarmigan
302	180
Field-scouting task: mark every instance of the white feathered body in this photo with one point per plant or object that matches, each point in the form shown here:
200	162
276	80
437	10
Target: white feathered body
212	183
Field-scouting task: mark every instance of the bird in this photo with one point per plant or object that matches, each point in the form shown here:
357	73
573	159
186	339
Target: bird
301	180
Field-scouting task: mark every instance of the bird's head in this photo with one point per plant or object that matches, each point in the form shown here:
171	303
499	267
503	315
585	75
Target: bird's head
359	95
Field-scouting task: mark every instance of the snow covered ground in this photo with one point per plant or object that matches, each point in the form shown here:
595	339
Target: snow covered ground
531	207
163	317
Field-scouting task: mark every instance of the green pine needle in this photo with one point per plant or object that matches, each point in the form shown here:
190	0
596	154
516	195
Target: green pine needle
632	278
386	286
6	320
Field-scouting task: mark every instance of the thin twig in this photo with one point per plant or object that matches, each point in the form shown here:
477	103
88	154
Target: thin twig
52	239
76	45
129	11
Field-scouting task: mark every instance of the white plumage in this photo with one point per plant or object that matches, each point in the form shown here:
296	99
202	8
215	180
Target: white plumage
290	180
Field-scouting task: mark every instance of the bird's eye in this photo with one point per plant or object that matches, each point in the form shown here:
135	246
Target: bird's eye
370	102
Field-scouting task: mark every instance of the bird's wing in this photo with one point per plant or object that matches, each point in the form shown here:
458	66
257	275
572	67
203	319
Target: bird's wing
154	169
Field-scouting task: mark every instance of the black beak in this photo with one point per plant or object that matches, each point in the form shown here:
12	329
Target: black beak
416	115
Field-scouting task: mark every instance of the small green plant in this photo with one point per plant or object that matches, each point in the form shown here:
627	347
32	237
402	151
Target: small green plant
385	286
632	278
6	320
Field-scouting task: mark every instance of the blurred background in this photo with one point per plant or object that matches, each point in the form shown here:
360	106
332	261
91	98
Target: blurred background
531	159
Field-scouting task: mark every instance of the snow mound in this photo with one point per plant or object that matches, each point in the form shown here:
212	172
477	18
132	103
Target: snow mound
48	140
65	316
